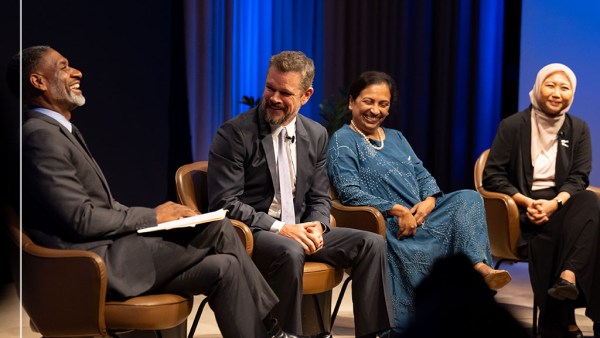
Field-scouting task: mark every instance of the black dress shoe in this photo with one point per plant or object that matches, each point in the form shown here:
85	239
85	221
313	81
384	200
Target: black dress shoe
280	334
563	289
323	335
277	332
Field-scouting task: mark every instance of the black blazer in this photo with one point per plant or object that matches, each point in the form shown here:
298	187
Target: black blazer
242	170
67	204
508	168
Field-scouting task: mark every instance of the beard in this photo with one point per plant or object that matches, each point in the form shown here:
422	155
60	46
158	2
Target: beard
73	99
270	119
77	100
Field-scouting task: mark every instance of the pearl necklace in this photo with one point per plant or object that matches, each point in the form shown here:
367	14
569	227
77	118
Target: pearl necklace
366	138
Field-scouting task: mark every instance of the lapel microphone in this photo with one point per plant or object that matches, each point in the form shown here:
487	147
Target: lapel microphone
292	138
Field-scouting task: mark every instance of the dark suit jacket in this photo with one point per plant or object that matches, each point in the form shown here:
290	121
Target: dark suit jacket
242	170
508	169
67	204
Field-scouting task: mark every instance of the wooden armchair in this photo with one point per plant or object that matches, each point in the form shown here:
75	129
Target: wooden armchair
64	294
318	279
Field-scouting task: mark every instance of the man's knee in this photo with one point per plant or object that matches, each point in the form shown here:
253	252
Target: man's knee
224	267
223	224
293	256
277	251
226	228
373	240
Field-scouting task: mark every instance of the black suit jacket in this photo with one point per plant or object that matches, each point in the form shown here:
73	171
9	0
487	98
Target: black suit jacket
242	170
509	170
67	204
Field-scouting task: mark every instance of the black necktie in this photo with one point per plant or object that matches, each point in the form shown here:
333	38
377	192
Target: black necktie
79	138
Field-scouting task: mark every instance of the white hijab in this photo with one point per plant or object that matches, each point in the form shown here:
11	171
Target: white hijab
545	128
543	74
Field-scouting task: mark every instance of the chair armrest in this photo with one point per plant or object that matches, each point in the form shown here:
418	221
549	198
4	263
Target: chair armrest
245	235
504	229
358	217
594	189
64	291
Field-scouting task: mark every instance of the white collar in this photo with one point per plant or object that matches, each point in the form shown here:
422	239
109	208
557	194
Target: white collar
57	116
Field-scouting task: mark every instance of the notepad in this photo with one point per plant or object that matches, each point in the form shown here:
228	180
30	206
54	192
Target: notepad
187	221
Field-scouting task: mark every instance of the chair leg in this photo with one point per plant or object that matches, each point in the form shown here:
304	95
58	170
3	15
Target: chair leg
319	313
339	301
197	317
499	262
534	325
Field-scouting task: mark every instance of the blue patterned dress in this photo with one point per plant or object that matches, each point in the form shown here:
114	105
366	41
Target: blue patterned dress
362	175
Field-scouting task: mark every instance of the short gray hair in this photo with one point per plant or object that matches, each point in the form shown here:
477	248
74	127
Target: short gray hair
294	61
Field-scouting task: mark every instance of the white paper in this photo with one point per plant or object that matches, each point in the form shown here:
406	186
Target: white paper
187	221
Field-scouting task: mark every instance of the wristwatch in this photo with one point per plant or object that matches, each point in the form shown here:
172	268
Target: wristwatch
559	203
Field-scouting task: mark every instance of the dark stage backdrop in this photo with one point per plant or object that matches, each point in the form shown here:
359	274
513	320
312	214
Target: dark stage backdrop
132	81
449	58
9	125
9	105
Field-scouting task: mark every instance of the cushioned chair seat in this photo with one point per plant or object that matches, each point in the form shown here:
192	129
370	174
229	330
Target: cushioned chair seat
320	277
152	312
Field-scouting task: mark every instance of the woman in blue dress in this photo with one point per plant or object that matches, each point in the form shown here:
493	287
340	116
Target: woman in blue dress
376	166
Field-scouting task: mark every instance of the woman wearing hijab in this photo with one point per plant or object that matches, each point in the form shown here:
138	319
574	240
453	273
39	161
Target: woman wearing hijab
542	157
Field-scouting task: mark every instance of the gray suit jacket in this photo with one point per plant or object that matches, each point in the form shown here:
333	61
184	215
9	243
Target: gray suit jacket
67	204
242	170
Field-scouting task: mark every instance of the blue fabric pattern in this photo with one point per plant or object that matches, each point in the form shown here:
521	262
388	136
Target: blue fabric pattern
362	175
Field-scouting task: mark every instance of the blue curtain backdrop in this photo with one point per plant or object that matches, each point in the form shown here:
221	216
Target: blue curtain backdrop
228	46
447	57
486	89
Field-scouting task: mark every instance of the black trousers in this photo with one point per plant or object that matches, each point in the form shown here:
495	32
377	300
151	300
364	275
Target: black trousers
568	241
210	259
282	262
